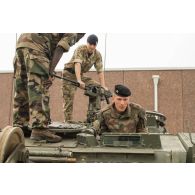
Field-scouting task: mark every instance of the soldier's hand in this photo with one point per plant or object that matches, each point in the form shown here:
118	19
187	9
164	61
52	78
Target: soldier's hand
82	84
48	83
106	88
89	131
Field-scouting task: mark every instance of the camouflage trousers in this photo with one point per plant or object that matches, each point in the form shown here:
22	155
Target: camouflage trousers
31	97
69	90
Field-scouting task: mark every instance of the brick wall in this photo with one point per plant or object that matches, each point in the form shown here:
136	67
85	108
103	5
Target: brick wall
176	94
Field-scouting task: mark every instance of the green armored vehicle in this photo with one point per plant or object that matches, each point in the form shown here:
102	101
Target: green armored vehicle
110	147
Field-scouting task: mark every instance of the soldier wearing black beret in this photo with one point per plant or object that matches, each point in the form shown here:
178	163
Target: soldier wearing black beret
122	91
122	115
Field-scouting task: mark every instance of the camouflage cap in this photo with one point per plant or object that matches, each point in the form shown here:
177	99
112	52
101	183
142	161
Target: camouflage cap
92	39
122	91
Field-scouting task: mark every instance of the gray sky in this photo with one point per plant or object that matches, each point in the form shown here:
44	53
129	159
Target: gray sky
124	51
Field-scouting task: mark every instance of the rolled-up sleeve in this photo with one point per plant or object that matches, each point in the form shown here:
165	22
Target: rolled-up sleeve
68	40
78	56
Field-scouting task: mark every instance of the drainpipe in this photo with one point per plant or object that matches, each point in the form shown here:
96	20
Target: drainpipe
155	80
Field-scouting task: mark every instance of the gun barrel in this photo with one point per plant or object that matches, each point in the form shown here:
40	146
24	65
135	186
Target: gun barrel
63	78
106	94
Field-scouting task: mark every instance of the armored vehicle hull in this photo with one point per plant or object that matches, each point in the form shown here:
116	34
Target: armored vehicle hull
79	146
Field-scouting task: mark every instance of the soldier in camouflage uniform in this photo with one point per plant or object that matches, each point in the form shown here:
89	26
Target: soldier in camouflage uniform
121	116
37	55
84	57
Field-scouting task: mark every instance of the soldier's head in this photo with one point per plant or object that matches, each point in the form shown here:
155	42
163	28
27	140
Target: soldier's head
121	97
92	42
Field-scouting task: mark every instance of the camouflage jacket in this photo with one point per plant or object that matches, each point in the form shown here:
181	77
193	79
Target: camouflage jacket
87	61
133	120
47	42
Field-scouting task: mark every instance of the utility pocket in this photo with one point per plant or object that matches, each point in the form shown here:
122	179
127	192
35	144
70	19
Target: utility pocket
38	64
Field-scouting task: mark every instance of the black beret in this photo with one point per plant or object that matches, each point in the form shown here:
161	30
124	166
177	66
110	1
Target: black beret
122	91
92	40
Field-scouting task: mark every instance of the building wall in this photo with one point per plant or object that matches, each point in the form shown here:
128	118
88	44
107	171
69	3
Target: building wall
176	94
6	96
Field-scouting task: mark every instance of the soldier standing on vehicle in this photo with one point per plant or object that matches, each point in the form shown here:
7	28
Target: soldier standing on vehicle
121	116
84	57
37	55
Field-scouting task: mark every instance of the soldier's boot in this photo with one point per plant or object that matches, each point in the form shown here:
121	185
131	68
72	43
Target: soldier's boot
45	135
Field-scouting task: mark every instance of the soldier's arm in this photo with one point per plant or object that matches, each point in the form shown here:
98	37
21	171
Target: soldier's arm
99	125
56	58
102	80
78	75
78	59
141	125
99	68
79	36
68	40
103	127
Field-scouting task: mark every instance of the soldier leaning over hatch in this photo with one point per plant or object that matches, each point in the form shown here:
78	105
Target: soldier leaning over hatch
37	55
121	116
84	57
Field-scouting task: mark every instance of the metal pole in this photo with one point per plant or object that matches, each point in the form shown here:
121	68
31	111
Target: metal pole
155	80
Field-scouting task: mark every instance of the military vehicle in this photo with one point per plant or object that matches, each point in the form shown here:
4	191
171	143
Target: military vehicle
80	145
